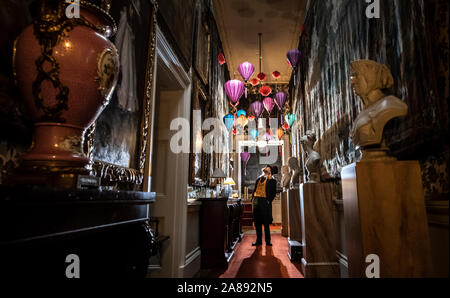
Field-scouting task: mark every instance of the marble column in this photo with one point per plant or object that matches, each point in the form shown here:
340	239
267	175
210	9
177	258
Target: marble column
318	234
385	216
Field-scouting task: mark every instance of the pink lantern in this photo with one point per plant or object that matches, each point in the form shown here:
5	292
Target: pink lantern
246	70
269	104
234	90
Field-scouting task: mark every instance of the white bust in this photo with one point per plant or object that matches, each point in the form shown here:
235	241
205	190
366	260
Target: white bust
295	173
312	162
286	177
368	79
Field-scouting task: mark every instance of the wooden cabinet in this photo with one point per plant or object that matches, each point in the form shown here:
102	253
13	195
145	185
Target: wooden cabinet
107	230
220	231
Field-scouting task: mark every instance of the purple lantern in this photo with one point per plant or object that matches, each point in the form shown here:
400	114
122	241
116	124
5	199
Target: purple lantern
245	156
294	58
280	100
246	70
269	104
234	90
256	109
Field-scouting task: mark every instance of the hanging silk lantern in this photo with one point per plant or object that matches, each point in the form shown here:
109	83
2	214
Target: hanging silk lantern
254	134
267	137
285	126
265	91
256	109
276	75
228	120
262	76
242	121
293	57
246	70
234	90
290	119
280	99
251	118
254	82
240	113
269	104
245	157
235	132
280	133
221	59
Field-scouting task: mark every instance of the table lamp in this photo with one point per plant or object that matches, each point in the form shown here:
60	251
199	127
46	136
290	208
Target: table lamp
218	174
229	182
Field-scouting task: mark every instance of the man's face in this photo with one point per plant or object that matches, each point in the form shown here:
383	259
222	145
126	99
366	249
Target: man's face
267	171
359	84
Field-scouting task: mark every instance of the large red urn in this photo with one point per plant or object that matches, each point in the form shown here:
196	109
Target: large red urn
66	69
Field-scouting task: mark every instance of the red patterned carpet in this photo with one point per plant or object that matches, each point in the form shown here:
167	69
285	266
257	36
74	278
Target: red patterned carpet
262	261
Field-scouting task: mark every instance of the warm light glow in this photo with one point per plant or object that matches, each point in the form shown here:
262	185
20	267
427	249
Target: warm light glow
229	181
67	44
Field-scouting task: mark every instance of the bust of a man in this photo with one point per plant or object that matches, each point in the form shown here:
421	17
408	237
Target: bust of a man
295	173
286	177
312	162
368	79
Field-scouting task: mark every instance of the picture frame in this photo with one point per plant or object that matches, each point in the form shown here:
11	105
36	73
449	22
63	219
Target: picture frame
199	162
117	143
202	48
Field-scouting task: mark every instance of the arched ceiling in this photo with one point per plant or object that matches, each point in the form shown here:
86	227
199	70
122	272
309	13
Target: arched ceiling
280	23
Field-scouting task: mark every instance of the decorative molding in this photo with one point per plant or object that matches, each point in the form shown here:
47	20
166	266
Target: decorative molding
170	60
437	212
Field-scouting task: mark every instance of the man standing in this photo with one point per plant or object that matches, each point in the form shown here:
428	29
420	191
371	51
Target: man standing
263	195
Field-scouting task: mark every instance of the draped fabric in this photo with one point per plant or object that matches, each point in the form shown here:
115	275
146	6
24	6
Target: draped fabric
127	90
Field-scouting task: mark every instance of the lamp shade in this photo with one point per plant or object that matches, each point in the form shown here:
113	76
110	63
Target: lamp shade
218	173
229	181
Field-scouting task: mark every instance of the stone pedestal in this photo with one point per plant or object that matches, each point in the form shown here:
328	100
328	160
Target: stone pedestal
385	215
319	240
284	215
295	229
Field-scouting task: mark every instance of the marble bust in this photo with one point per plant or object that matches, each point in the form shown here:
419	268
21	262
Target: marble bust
312	162
368	79
295	173
286	177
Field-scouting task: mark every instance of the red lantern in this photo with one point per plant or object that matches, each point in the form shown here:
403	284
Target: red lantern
251	118
262	76
276	75
285	126
221	59
265	91
235	131
254	82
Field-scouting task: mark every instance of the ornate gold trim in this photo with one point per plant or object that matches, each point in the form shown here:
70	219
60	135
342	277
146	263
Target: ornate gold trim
107	70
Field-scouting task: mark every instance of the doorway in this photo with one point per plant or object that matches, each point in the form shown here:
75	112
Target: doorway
169	170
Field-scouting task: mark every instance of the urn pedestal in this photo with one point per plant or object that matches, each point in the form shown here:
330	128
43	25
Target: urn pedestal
319	240
385	216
